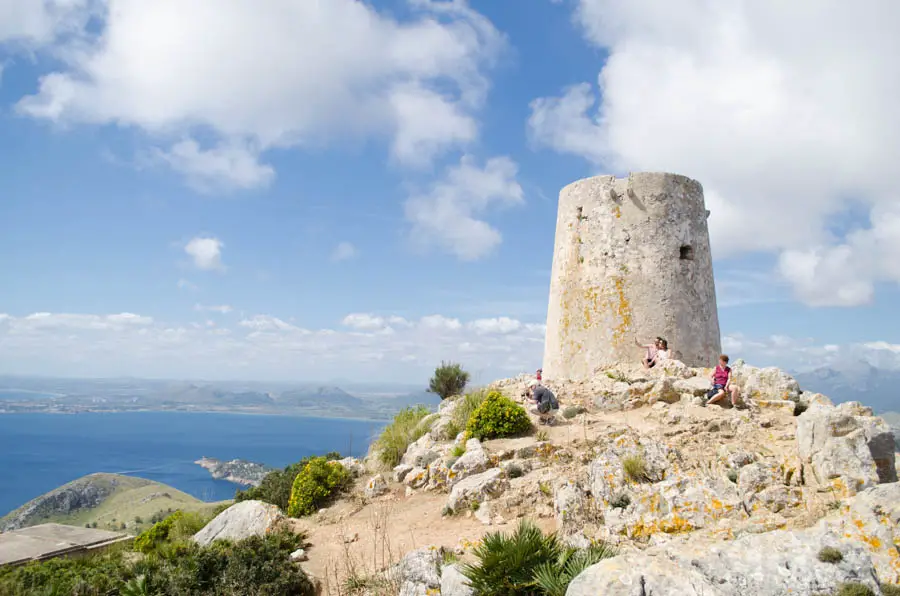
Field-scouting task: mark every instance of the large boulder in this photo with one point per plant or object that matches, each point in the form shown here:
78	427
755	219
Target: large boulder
770	564
473	461
768	383
847	447
354	466
477	488
421	452
761	485
375	487
241	520
454	583
419	572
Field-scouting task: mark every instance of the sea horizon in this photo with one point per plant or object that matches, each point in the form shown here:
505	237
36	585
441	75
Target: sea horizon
42	451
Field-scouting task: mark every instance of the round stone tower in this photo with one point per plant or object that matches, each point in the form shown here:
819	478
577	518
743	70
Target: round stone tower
631	262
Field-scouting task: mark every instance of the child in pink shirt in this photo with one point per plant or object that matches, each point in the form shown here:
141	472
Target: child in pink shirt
721	383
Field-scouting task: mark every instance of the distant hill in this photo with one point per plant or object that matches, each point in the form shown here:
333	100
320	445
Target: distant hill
855	380
107	500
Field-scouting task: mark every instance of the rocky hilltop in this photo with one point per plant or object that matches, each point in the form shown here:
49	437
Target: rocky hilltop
696	499
239	471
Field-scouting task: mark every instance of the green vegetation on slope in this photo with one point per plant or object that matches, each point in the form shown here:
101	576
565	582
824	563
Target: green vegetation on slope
170	564
105	501
276	486
404	429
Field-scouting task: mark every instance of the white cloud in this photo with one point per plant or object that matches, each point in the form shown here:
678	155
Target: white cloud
37	22
374	347
206	252
219	169
173	69
496	325
363	321
222	309
783	111
344	251
448	215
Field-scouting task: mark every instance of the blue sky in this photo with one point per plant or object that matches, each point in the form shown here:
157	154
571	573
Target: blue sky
204	190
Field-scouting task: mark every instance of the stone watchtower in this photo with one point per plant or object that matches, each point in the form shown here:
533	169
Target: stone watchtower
631	261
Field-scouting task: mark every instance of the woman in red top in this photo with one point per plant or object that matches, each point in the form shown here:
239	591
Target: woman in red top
721	381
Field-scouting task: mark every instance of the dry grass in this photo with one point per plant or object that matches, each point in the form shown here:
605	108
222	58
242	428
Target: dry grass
635	468
373	577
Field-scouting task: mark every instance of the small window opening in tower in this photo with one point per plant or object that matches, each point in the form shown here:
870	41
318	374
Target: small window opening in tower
686	252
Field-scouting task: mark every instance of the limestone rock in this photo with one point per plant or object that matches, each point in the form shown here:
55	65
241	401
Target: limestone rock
763	486
299	555
440	477
477	488
571	506
483	513
663	391
785	407
454	583
419	572
420	453
241	520
765	383
607	473
696	386
871	519
847	448
376	486
401	471
416	478
353	465
473	461
770	564
443	426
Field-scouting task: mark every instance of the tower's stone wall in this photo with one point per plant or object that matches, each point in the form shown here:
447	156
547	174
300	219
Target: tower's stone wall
631	261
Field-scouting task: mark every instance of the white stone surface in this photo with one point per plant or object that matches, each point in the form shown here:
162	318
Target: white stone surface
618	274
241	520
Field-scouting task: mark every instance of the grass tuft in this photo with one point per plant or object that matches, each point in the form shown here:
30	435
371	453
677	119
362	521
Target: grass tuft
635	468
403	430
830	554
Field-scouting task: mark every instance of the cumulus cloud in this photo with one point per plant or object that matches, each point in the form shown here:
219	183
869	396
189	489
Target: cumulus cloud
177	70
449	214
37	22
344	251
784	112
266	347
206	253
218	169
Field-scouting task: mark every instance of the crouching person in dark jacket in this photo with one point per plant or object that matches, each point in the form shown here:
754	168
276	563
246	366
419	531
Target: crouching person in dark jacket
542	402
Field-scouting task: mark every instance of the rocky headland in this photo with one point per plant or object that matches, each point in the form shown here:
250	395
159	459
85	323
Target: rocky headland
239	471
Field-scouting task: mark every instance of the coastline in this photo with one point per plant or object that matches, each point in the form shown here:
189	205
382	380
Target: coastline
229	412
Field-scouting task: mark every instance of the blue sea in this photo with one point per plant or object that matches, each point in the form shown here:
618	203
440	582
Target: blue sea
39	452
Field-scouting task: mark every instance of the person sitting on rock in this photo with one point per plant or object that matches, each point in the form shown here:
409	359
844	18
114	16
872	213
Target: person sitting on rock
649	360
721	380
544	402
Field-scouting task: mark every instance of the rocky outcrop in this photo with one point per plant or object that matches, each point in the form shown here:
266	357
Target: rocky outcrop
241	520
454	583
354	466
846	446
477	488
770	564
238	471
765	383
375	487
419	572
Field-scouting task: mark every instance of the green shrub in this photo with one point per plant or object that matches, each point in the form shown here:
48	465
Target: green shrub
542	435
251	567
403	430
890	589
319	480
515	471
177	526
458	450
526	563
829	554
570	412
449	379
553	577
275	487
854	589
635	468
497	417
468	403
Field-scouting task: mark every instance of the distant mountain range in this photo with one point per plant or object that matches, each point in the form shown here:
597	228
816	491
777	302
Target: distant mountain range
36	394
855	380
